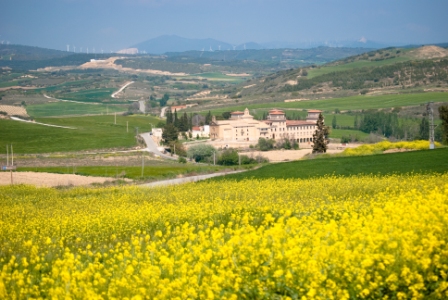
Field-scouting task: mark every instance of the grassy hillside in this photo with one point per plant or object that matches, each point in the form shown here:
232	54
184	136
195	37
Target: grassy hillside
98	132
388	69
63	108
348	103
423	161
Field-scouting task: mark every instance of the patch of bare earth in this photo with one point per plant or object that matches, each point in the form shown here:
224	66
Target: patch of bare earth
42	179
14	110
429	52
285	155
396	150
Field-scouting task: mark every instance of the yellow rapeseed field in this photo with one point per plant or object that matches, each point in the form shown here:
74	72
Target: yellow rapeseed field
369	149
363	237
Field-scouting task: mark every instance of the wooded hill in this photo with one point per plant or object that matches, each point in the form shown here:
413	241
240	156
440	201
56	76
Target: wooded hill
264	61
24	58
391	68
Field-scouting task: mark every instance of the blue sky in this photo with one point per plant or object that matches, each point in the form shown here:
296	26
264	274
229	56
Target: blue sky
117	24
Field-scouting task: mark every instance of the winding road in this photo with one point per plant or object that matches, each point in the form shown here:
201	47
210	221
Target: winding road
151	146
122	88
163	111
185	179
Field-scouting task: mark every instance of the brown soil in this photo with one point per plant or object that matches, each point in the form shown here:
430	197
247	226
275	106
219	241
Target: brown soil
14	110
51	180
427	52
45	160
396	150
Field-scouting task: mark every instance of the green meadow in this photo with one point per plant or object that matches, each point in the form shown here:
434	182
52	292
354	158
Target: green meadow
64	108
355	65
423	161
348	103
90	133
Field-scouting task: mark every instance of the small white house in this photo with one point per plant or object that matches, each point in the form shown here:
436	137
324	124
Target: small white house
201	131
157	132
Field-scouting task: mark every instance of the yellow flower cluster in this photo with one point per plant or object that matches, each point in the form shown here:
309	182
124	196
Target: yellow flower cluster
368	149
363	237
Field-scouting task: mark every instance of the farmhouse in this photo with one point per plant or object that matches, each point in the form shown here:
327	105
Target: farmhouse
242	127
200	131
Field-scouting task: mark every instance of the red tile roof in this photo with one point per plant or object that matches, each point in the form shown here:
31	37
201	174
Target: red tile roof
298	123
276	112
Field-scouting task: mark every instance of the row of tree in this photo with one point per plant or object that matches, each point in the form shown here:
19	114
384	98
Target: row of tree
227	157
183	124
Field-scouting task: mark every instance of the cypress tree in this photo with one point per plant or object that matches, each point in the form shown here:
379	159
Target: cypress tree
320	136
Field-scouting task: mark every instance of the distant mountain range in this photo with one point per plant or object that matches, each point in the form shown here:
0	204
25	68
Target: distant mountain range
173	43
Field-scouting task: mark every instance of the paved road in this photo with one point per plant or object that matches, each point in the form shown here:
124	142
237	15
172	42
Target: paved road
163	111
185	179
142	106
151	146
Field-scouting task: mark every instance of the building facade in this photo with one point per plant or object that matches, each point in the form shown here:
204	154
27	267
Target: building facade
242	127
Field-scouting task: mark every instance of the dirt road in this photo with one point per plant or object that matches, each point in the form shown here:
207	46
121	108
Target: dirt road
185	179
114	95
42	179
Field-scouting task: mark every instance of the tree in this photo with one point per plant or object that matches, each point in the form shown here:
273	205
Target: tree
334	122
424	129
201	152
208	118
320	136
169	133
164	99
176	119
356	123
229	157
169	116
178	148
265	144
226	115
443	112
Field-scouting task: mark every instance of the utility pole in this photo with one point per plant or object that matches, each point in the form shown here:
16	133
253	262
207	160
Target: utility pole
115	122
143	164
431	124
214	158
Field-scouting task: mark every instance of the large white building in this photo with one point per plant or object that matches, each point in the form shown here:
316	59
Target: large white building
242	127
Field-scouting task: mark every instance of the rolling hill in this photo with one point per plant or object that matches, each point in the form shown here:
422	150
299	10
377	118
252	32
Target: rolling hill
380	71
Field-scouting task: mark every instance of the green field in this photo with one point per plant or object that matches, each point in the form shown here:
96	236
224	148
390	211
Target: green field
339	133
63	108
219	77
8	84
423	161
355	65
95	95
150	171
65	84
341	120
348	103
93	132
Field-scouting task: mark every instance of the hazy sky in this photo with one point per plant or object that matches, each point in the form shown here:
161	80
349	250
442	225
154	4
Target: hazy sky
117	24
